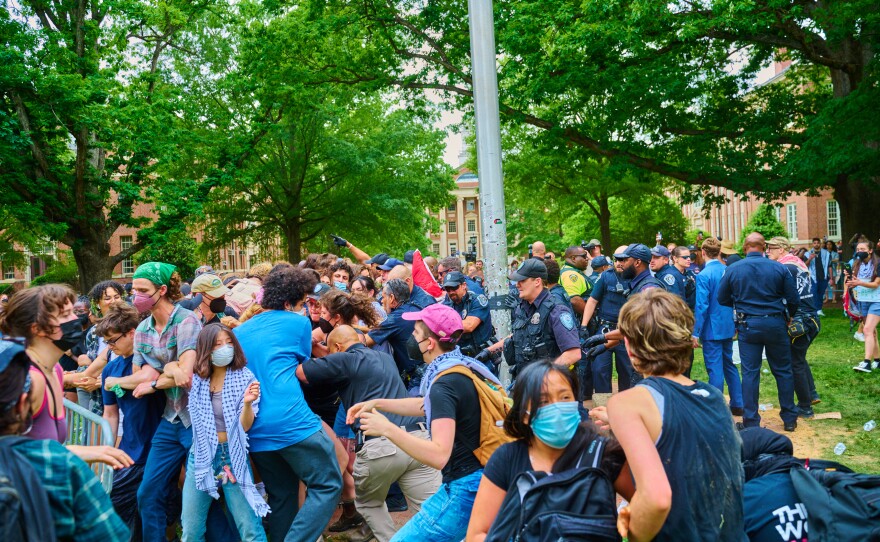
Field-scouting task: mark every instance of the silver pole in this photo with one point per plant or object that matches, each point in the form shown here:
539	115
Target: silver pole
488	131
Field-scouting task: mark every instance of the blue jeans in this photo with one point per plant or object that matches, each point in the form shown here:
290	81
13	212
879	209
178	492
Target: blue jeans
602	370
196	503
755	335
444	517
718	356
312	461
168	450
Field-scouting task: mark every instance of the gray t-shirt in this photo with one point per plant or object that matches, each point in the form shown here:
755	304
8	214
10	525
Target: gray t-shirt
360	374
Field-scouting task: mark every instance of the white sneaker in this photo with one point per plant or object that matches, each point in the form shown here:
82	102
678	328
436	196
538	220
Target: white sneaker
859	336
875	365
820	313
864	367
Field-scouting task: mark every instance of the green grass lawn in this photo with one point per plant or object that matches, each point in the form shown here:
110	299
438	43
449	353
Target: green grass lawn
855	395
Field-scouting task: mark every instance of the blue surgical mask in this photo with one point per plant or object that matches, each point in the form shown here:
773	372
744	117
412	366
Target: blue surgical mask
555	424
340	286
222	356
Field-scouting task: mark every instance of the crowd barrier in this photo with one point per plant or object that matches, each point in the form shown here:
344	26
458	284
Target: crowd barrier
88	429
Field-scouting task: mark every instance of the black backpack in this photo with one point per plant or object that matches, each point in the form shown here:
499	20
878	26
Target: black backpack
577	505
25	514
840	505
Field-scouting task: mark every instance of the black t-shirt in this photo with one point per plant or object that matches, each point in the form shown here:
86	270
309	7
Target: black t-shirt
454	396
511	459
359	374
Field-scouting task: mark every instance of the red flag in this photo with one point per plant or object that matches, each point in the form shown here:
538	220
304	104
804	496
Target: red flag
422	276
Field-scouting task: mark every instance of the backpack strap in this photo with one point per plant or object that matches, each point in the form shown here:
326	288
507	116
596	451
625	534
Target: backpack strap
592	454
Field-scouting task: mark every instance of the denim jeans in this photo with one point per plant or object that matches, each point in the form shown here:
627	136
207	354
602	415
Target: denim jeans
168	450
755	335
444	517
196	503
312	461
718	356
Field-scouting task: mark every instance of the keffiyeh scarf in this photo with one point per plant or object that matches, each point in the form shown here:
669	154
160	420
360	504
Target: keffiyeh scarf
205	435
447	361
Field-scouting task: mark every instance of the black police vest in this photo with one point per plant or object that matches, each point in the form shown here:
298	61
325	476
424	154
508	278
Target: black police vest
613	296
532	338
643	284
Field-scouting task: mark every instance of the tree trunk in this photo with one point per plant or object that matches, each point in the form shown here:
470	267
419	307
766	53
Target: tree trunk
605	224
93	261
292	235
858	210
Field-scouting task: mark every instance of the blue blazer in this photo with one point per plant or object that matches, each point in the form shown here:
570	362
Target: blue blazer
712	320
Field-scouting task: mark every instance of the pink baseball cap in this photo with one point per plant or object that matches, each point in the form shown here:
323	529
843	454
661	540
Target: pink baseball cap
441	319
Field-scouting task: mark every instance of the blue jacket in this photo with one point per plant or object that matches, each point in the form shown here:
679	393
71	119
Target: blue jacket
712	320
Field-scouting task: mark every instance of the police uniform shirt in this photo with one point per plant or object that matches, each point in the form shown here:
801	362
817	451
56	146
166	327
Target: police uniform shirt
672	280
561	296
474	286
643	281
575	282
609	293
562	322
477	305
757	286
420	298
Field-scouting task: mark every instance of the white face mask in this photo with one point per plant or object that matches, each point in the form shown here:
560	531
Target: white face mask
221	357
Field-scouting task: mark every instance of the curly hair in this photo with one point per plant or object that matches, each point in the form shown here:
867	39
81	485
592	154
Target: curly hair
96	294
341	266
37	305
350	306
657	326
286	286
260	270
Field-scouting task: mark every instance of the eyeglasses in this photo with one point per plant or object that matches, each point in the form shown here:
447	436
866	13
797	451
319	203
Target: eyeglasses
686	256
451	288
112	342
576	256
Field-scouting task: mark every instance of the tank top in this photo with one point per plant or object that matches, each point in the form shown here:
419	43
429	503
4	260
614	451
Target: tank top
217	407
46	426
701	453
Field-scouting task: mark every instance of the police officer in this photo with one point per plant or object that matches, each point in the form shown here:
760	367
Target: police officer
669	277
599	265
574	280
474	311
764	297
452	263
609	295
543	328
681	261
552	284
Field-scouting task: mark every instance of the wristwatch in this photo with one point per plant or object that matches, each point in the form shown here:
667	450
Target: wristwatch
153	384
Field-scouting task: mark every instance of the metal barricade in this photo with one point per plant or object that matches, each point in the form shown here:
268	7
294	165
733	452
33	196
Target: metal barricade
88	429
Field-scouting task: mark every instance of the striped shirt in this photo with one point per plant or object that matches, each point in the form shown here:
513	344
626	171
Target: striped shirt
80	507
158	349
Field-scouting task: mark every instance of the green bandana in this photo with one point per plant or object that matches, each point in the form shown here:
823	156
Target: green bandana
156	272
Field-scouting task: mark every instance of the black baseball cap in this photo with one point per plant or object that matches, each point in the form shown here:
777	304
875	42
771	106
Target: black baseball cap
599	261
532	268
454	278
408	257
378	259
637	251
320	290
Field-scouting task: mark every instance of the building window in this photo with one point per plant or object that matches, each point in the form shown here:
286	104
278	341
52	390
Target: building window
436	248
833	218
9	272
470	204
450	226
453	249
471	225
778	210
791	220
125	243
451	207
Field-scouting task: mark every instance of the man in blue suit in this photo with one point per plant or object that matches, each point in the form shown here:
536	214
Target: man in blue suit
713	325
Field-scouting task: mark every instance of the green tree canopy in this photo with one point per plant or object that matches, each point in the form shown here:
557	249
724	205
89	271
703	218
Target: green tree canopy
764	221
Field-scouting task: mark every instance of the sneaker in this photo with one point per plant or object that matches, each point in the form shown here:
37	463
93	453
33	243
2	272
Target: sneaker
875	364
820	313
864	367
859	336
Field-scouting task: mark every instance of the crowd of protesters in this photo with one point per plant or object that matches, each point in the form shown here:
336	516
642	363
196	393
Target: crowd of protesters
250	406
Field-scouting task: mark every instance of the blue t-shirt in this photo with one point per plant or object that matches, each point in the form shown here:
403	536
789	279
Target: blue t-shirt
141	415
275	343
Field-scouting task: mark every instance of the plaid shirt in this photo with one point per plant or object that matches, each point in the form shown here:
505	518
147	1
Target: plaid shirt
157	349
80	507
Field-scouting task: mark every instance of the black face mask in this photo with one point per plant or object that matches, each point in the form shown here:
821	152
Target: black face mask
325	326
413	350
861	255
628	273
71	335
218	305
